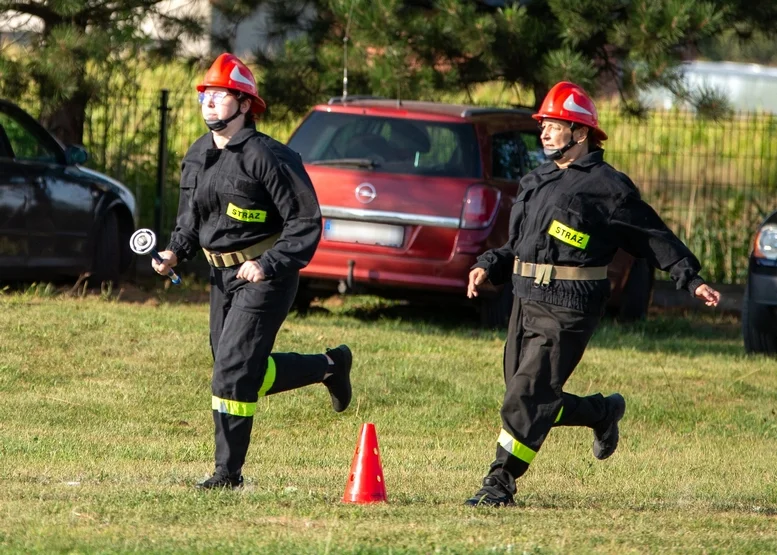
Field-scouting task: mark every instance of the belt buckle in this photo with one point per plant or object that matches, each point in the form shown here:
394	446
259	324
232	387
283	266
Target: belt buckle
542	275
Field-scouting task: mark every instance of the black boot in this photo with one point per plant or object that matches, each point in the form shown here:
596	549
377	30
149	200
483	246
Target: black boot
606	433
222	481
492	494
338	377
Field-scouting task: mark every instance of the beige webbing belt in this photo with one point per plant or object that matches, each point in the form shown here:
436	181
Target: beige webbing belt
227	259
544	273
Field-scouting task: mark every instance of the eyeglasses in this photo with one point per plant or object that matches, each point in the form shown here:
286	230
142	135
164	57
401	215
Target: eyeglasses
216	96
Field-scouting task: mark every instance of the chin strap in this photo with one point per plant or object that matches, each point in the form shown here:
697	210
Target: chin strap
556	154
219	124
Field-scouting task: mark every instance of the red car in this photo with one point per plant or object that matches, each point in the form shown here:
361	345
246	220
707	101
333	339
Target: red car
411	193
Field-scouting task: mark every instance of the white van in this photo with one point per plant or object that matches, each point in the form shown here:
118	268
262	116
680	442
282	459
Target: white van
749	87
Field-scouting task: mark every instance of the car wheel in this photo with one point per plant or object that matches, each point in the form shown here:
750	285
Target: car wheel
759	326
495	311
106	265
637	292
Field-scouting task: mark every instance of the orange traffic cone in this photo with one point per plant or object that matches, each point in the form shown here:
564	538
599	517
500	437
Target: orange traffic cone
365	482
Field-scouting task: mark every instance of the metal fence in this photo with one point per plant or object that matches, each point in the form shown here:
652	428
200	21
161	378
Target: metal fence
141	141
711	182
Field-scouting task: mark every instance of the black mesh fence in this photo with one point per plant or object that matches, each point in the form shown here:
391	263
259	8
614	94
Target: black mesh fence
122	137
712	182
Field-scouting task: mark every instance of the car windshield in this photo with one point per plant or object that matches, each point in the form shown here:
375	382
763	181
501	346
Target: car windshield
390	145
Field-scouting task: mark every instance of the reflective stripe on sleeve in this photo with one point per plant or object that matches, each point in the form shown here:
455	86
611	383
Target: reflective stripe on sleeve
515	447
269	377
235	408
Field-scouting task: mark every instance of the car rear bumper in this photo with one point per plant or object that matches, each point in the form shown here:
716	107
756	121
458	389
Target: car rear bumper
380	271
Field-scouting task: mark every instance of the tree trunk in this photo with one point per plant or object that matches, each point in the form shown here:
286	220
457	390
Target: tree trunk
66	118
540	91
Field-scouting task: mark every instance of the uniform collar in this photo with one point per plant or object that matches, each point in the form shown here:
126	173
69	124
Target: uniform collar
591	159
241	136
206	142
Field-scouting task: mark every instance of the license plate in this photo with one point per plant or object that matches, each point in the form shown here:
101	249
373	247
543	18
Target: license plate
346	231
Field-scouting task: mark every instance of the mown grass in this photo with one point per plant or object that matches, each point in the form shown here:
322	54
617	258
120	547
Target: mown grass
105	425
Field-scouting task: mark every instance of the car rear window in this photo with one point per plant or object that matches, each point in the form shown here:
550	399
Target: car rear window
390	145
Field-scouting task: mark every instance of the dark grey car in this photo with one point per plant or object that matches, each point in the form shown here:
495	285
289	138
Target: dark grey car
57	219
759	310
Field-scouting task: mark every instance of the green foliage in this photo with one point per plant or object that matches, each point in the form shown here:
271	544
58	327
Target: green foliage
749	47
691	170
422	49
400	48
73	49
712	182
721	236
566	64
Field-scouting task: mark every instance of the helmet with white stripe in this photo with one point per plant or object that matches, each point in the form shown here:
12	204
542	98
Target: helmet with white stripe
229	72
569	102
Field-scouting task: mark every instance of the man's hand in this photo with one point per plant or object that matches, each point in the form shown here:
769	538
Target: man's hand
710	296
476	277
169	261
251	271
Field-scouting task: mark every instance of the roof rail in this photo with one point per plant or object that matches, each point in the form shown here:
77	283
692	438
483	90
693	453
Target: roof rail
494	111
354	97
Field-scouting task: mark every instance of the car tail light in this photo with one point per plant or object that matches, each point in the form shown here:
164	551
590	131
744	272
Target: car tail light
765	244
480	205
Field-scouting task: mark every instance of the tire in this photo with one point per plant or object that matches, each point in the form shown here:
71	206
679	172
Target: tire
637	292
495	311
759	327
106	264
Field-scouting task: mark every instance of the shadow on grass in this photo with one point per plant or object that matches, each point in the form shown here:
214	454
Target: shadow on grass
676	331
680	332
427	317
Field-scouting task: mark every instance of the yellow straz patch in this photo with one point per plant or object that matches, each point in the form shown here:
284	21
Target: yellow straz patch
568	235
245	215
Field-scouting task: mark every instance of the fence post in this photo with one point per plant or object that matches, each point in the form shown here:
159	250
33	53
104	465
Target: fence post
161	168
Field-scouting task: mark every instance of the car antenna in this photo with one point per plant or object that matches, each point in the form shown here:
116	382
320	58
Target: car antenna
345	52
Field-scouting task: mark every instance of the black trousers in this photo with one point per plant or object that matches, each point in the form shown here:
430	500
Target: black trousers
244	321
544	344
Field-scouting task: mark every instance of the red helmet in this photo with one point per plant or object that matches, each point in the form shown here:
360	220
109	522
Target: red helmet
569	102
229	72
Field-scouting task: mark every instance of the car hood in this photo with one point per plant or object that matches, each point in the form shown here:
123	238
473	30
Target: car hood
116	187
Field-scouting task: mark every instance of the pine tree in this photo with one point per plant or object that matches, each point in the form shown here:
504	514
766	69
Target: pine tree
70	49
425	48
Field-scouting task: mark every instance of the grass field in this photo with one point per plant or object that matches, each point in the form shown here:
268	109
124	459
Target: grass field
105	424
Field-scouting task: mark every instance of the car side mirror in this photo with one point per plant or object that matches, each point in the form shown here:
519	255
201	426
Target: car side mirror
75	155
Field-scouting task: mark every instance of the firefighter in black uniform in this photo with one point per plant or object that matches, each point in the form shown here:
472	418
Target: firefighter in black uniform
248	202
570	217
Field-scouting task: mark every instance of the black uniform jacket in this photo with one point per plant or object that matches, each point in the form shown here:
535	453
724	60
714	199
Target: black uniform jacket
234	197
579	216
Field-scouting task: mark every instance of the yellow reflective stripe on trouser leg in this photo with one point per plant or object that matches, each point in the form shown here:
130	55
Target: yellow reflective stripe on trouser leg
558	418
240	408
515	447
269	377
235	408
